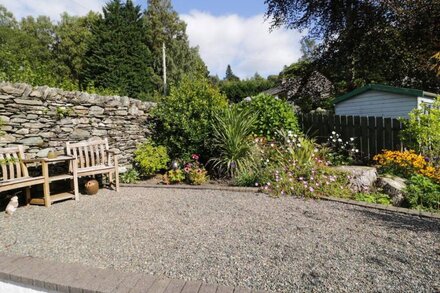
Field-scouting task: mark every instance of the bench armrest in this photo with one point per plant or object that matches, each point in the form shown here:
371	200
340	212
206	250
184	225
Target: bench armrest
26	161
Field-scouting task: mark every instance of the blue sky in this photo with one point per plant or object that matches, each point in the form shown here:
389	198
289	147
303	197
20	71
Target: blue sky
243	8
227	31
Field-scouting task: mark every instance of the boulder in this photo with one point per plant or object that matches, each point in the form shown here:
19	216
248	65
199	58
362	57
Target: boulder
362	178
393	186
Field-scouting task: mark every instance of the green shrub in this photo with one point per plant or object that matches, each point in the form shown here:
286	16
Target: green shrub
422	131
272	115
131	176
183	120
232	140
150	159
423	193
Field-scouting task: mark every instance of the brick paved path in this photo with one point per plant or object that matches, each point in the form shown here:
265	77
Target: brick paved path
75	278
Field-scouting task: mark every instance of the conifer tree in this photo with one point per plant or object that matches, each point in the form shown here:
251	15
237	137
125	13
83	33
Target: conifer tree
117	57
230	76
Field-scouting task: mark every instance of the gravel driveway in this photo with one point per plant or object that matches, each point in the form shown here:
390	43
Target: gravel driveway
235	239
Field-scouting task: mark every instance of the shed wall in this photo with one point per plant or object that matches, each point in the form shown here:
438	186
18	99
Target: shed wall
377	103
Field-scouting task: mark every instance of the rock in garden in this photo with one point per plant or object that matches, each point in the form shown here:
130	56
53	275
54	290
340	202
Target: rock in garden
393	186
362	178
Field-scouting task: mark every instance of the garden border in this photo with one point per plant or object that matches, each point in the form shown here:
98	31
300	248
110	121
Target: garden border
406	211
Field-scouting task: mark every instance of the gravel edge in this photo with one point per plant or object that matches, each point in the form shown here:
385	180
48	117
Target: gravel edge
390	208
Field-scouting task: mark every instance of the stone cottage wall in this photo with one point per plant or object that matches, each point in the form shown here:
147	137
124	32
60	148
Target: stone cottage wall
44	118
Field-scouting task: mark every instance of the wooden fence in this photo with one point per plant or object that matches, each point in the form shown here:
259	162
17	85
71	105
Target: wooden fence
372	134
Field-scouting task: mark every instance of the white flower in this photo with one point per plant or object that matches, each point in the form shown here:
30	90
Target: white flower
298	145
351	138
340	140
331	136
334	140
357	151
295	135
288	141
333	132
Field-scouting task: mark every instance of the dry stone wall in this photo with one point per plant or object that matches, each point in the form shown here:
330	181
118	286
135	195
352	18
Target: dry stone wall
44	118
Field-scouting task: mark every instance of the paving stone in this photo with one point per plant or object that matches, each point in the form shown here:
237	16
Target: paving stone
224	289
128	282
241	290
159	285
191	286
175	286
143	284
206	288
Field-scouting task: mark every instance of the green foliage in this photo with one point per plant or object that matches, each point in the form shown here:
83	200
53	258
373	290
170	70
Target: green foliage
291	166
374	197
195	172
163	26
73	37
364	42
150	159
272	115
422	130
63	112
423	193
232	141
129	177
341	152
174	177
118	57
237	90
230	76
184	119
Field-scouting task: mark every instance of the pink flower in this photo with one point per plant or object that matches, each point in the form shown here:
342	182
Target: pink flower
311	189
195	157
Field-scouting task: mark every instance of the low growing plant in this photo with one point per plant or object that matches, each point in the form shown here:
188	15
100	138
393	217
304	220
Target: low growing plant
150	159
374	197
174	177
406	164
195	173
423	193
129	177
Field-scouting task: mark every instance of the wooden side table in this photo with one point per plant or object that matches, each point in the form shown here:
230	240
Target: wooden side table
48	199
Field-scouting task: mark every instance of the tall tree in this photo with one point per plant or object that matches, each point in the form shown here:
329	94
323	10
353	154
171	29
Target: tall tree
73	35
117	57
230	76
367	40
165	27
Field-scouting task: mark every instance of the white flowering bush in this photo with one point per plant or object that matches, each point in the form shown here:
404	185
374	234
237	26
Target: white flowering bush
293	166
341	152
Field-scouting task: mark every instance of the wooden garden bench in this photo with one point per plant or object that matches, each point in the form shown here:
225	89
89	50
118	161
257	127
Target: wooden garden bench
14	172
94	157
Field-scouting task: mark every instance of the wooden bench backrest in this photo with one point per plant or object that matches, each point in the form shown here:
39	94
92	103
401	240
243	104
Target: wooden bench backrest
89	153
12	166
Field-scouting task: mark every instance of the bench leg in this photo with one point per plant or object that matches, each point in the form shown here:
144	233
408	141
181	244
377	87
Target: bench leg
116	173
27	192
46	187
110	178
75	179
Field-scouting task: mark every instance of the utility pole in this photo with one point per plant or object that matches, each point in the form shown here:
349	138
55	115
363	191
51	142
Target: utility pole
164	69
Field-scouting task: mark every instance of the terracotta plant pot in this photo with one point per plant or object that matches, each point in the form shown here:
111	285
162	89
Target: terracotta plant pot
92	187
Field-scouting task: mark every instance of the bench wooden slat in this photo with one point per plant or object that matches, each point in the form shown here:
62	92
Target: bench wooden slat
17	165
86	155
10	165
92	155
4	170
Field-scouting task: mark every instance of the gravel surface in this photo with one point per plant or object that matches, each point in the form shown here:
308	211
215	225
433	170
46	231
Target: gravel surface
235	239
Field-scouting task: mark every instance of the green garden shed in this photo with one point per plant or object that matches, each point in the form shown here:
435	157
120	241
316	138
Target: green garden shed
381	101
